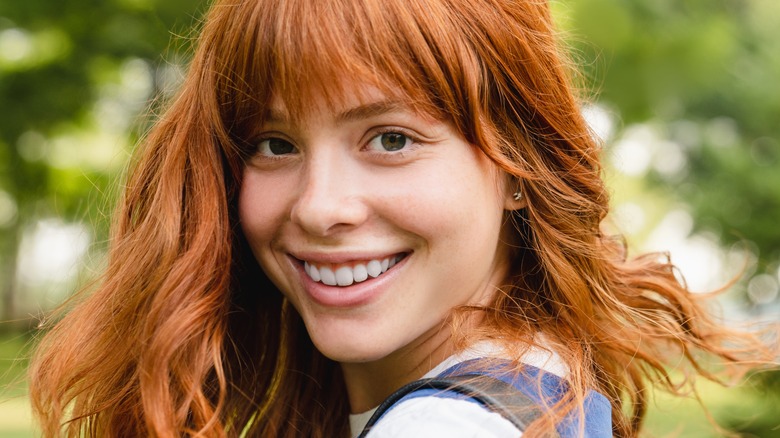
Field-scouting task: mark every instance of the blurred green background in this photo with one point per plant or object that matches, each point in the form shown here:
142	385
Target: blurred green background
684	94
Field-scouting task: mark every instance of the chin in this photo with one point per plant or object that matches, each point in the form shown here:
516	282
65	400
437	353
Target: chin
351	352
350	338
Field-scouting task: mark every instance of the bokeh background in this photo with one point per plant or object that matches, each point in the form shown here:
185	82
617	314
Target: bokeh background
684	95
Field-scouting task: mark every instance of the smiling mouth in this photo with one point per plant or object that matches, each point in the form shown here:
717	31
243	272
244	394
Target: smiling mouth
348	274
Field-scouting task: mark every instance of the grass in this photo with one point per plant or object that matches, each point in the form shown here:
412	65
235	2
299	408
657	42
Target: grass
748	409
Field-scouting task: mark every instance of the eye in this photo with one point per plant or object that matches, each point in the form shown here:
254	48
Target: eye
390	142
271	147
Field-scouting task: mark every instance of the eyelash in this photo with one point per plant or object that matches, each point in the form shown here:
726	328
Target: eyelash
414	139
255	145
382	155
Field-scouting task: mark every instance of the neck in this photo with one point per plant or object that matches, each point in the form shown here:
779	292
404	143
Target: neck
369	383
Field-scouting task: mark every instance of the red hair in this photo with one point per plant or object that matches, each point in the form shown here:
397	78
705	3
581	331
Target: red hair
186	336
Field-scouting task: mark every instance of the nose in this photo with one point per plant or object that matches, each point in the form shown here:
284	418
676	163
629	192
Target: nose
331	199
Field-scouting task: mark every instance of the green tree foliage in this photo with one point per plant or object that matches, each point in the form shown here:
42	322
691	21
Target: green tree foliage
58	61
705	71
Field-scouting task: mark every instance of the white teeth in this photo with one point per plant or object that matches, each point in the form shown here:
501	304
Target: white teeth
312	270
359	273
328	277
374	268
346	275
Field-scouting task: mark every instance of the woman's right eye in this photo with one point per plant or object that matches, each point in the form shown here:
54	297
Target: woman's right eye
274	147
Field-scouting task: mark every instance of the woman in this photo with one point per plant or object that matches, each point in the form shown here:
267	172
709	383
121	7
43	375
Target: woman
346	196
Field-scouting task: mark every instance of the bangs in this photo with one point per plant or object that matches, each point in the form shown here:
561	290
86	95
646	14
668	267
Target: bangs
302	50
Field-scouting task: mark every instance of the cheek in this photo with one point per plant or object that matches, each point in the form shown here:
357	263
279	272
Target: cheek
260	209
449	202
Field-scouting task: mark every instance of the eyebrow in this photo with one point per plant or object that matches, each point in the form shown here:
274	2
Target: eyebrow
360	112
369	110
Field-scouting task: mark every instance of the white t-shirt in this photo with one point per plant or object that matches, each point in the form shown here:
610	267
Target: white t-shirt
449	417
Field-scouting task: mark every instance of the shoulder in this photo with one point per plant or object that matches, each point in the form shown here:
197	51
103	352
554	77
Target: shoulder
442	417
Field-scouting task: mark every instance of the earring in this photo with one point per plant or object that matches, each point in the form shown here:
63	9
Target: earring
517	195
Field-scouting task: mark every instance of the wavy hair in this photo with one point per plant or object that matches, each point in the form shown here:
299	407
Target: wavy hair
185	336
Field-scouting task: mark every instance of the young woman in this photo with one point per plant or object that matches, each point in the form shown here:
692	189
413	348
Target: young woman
347	196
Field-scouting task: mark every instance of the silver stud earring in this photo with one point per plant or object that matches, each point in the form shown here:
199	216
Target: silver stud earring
517	195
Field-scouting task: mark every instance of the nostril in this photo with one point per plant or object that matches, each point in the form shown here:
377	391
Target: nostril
322	216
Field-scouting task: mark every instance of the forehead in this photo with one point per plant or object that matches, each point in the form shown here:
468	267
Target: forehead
347	102
299	56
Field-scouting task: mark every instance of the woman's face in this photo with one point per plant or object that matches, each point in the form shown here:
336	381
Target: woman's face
373	220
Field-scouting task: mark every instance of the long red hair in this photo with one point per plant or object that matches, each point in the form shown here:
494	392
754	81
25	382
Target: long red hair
186	336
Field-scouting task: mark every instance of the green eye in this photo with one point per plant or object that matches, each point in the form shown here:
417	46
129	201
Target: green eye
390	142
275	146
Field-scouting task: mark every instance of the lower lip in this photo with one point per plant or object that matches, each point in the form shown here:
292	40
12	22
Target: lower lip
357	294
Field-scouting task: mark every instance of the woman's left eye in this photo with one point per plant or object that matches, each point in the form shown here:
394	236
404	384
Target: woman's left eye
390	142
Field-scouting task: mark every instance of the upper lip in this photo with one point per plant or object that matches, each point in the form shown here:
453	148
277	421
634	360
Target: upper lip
337	257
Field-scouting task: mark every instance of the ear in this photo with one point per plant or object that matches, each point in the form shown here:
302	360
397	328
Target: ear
514	198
